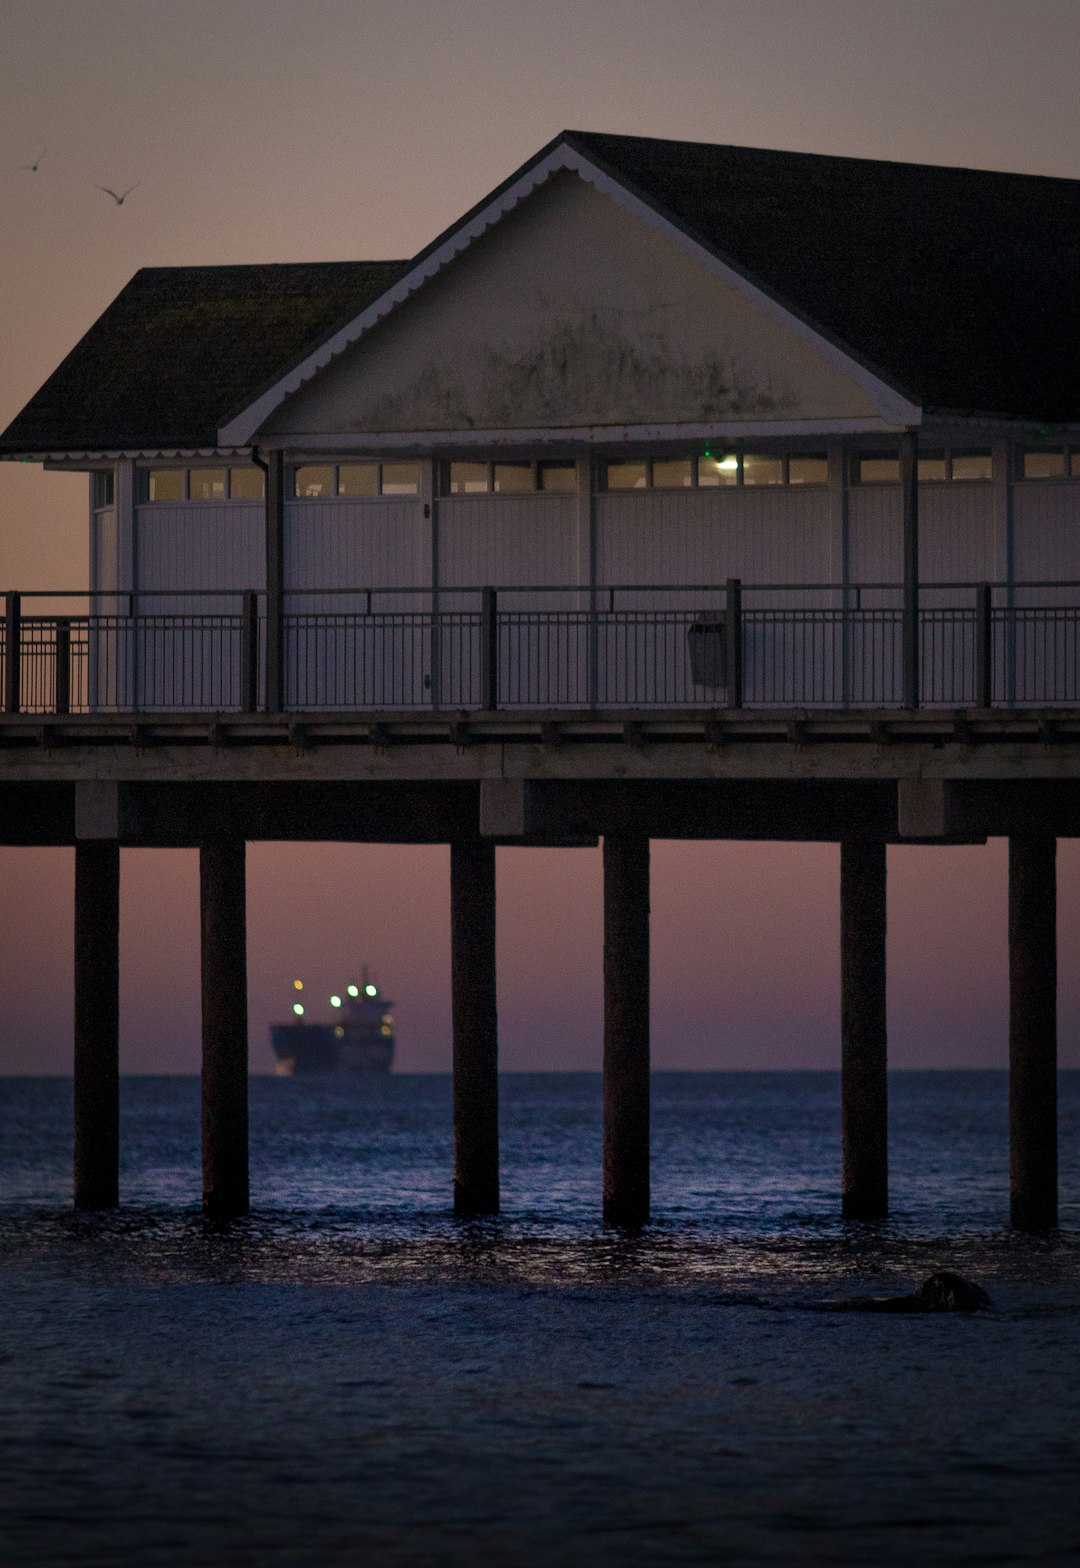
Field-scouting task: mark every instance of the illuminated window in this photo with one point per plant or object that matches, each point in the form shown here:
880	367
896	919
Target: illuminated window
558	476
1074	465
358	479
672	473
627	476
165	484
972	465
314	482
247	484
206	484
468	478
810	470
400	479
878	469
758	470
932	467
512	477
717	470
1044	464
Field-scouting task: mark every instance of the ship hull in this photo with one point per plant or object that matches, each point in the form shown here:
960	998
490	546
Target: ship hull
308	1050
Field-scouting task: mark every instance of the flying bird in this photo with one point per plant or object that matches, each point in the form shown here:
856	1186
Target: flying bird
119	200
33	167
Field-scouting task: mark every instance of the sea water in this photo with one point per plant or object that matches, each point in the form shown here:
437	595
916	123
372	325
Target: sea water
350	1375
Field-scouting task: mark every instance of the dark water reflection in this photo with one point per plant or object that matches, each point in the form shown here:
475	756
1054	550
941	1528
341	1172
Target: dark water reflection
352	1374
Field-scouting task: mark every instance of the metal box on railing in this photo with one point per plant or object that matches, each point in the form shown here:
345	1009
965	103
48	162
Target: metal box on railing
706	641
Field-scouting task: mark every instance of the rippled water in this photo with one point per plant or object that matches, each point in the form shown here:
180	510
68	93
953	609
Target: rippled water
352	1375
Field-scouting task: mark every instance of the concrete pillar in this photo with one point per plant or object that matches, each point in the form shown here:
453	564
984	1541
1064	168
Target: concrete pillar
97	1024
1033	1031
224	1028
626	1029
476	1027
863	1051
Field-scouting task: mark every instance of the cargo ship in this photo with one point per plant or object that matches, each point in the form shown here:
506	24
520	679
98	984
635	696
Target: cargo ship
358	1037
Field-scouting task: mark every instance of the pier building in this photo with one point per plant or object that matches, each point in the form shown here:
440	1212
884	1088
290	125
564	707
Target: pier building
674	491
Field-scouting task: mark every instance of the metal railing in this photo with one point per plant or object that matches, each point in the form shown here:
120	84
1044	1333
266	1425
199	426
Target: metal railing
732	645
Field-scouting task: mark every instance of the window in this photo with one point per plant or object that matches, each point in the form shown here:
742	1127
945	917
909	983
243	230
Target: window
808	470
314	480
758	470
399	478
932	466
972	465
878	469
247	484
321	481
1044	463
206	484
627	476
672	473
518	477
358	479
166	484
101	488
469	478
557	476
717	470
202	484
512	477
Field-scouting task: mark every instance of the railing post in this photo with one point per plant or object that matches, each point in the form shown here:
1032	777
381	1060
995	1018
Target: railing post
62	686
12	641
275	582
489	650
249	653
734	641
984	646
909	641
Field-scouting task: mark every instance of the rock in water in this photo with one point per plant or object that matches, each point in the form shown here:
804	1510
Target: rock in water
949	1292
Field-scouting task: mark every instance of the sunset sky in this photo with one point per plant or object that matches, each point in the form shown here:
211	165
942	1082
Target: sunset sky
269	130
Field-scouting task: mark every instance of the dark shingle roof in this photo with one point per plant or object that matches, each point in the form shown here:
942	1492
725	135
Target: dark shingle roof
960	286
181	348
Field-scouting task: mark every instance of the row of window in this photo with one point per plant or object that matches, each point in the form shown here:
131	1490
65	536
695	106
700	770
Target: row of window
325	480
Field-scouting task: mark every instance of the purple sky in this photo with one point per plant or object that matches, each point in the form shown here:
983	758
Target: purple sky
267	130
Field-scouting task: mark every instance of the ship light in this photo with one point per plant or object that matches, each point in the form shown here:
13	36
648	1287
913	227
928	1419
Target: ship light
371	990
340	1032
385	1029
335	1001
298	1009
298	985
353	990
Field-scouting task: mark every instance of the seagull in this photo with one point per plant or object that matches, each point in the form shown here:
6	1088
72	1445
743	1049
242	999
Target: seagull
119	200
33	167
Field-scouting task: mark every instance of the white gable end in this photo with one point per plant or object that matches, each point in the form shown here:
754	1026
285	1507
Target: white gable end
574	312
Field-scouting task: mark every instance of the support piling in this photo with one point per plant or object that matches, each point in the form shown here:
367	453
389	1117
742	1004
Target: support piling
224	1029
626	1029
864	1037
476	1027
97	1024
1033	1031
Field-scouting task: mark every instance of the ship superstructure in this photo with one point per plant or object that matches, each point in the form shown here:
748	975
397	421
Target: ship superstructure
358	1038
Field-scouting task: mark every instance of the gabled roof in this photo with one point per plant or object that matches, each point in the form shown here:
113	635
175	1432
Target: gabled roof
180	348
954	288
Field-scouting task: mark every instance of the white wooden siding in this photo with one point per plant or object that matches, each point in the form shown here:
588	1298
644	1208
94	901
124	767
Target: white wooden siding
1046	538
200	544
343	651
956	533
